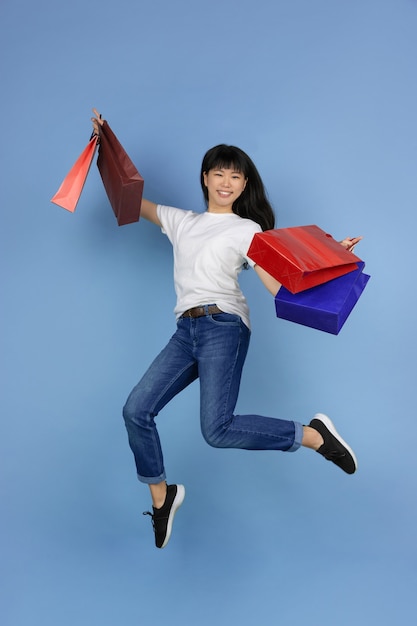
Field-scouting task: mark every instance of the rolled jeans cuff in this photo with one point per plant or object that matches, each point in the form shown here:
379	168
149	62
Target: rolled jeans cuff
298	437
152	480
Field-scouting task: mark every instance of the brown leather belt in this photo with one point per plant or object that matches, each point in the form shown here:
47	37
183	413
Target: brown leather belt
199	311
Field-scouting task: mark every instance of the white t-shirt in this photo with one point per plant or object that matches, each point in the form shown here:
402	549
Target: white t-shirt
209	251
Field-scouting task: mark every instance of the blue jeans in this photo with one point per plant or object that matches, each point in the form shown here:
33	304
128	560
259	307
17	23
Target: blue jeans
212	348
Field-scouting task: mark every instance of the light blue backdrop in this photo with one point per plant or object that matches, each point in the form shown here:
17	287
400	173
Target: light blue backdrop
322	94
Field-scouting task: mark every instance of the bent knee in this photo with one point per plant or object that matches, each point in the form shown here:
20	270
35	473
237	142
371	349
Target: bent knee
214	437
128	412
135	412
132	412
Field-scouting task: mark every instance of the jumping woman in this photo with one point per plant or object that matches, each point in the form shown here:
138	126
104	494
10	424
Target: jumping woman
213	331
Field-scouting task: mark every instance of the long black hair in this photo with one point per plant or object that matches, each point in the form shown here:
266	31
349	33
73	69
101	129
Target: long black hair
252	202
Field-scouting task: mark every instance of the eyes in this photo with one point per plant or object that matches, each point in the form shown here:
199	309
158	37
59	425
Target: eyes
234	175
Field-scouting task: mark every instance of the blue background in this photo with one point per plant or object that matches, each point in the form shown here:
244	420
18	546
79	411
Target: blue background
323	95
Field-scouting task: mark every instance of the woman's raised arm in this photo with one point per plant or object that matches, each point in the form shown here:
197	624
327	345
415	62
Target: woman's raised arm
148	211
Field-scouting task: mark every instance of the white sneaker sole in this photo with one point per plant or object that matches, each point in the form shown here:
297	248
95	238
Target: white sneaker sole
331	428
178	500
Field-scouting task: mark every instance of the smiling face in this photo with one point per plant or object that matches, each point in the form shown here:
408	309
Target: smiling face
224	186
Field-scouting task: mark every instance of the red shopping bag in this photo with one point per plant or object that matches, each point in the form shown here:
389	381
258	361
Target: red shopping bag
70	190
121	179
301	257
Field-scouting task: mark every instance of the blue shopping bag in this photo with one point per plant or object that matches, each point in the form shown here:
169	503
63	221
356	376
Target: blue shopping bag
325	307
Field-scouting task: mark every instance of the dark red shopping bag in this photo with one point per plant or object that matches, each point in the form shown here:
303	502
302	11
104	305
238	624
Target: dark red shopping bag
121	179
70	190
301	257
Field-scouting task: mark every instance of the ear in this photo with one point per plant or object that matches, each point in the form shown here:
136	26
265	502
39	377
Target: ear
205	178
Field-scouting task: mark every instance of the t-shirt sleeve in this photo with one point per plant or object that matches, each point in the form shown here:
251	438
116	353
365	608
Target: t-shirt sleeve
247	240
170	218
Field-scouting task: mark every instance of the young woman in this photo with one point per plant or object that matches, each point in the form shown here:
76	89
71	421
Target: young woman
213	331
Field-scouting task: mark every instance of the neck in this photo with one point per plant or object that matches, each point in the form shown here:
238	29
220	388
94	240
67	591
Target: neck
213	208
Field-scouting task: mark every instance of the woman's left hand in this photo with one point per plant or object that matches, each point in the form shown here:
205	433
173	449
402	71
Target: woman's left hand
350	242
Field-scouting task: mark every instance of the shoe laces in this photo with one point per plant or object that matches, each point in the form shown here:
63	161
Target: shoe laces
153	516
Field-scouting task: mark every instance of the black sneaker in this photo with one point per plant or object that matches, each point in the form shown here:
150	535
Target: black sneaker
162	518
334	448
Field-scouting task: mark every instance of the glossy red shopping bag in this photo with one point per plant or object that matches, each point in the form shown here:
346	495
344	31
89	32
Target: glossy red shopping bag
121	179
70	190
301	257
324	307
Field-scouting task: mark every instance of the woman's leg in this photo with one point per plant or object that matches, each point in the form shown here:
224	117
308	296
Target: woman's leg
222	347
222	350
172	370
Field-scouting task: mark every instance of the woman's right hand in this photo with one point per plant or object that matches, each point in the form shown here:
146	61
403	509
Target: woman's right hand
97	122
